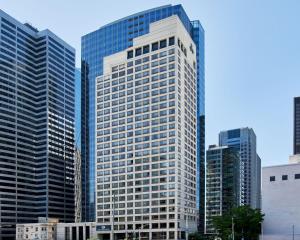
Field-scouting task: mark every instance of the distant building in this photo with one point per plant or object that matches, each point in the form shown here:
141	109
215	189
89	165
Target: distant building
45	229
296	125
294	158
36	126
244	140
280	202
222	176
77	156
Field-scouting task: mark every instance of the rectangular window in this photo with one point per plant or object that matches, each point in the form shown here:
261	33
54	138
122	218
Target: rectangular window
163	43
297	176
146	49
130	54
138	52
284	177
154	46
171	41
272	179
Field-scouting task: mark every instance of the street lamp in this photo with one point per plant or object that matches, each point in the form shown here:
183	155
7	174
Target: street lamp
113	217
232	228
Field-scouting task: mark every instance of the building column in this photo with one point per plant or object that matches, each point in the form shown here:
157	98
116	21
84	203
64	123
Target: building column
70	228
84	232
77	233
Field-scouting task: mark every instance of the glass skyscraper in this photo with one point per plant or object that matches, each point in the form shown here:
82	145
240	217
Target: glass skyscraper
296	125
222	174
112	38
244	140
36	126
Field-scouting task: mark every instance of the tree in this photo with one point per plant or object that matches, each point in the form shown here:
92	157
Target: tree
195	236
247	223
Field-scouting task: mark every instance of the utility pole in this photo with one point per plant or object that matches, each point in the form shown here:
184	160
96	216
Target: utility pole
262	230
293	232
232	228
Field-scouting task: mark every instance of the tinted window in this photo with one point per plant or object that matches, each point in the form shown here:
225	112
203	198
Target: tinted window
297	176
138	51
146	49
272	178
154	46
129	54
284	177
163	43
171	41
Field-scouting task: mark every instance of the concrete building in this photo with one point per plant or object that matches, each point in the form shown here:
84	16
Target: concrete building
76	231
113	38
280	202
51	229
222	183
146	136
36	126
45	229
244	139
294	159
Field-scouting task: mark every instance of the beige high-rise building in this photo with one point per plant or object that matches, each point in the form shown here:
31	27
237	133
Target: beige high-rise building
146	137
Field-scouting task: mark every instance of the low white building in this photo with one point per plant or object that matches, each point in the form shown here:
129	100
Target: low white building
51	229
76	231
45	229
281	202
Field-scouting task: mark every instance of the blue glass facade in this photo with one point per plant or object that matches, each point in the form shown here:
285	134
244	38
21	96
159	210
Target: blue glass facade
108	40
36	126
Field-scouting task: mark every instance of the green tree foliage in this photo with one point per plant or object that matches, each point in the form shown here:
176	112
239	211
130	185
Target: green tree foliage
247	223
195	236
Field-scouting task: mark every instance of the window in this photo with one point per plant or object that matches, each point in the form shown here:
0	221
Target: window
146	49
171	41
154	46
138	52
297	176
163	43
284	177
130	54
272	179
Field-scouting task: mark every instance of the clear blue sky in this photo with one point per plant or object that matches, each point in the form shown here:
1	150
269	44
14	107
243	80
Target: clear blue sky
252	57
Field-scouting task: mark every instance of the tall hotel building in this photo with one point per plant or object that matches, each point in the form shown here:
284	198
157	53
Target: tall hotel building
146	120
116	37
244	140
36	126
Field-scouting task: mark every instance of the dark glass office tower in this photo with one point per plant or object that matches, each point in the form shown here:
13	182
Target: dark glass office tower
36	126
222	183
296	125
113	38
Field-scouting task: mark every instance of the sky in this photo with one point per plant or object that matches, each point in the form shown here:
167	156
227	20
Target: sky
252	57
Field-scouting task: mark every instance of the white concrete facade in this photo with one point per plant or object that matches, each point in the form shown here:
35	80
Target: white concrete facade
45	229
294	158
146	137
280	202
76	231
